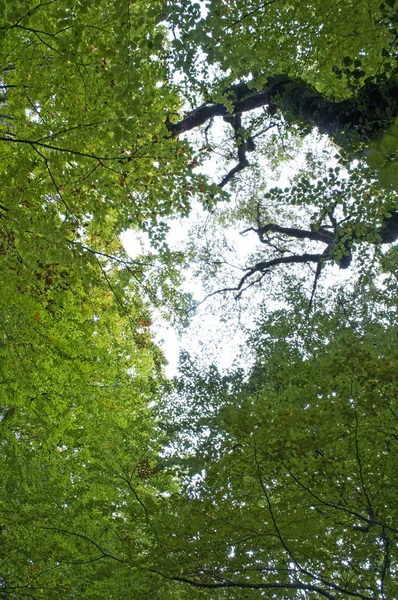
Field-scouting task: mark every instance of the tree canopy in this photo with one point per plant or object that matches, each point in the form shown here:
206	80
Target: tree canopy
277	480
290	475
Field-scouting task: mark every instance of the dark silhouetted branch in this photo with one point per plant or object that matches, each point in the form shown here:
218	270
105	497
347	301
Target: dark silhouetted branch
372	110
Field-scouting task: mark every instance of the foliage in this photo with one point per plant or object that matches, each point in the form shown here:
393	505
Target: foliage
83	144
292	472
272	37
118	483
382	155
331	212
78	373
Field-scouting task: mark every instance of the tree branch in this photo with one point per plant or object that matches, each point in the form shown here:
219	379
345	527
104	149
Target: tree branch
334	505
258	586
357	115
318	236
249	14
281	260
84	537
236	123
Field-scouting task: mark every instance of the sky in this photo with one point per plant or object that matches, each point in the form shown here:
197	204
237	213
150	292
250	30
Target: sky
206	335
211	337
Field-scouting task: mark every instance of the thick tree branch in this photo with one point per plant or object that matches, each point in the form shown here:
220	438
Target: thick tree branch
301	234
385	569
243	145
386	234
353	119
281	260
231	174
263	268
356	115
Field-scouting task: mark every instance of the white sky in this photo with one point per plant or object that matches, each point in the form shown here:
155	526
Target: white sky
208	336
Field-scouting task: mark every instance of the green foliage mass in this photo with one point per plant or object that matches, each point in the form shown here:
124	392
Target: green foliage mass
115	482
382	155
291	473
307	41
